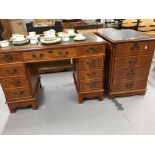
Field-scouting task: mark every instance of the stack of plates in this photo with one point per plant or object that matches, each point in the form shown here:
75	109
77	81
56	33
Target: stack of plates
52	40
20	42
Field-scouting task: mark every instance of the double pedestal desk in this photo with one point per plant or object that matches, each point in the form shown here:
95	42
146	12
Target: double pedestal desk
120	65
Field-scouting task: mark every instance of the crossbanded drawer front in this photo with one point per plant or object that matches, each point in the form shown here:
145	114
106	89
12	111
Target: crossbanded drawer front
50	54
14	83
130	73
133	61
10	57
91	85
91	50
18	94
133	48
62	53
90	74
12	70
95	62
129	85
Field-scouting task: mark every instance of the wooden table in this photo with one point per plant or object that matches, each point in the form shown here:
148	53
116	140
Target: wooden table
127	63
19	69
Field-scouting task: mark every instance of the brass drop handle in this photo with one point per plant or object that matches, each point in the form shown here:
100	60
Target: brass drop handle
7	57
131	73
132	62
16	82
91	74
21	93
64	53
41	55
34	56
129	85
93	85
12	71
91	50
50	52
135	46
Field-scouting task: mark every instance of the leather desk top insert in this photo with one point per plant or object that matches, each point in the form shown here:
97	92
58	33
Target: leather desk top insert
19	69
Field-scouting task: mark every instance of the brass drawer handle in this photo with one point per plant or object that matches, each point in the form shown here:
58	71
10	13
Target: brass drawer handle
16	83
21	93
41	55
64	53
7	57
50	52
135	46
91	50
131	73
92	63
34	56
132	62
129	85
12	71
91	75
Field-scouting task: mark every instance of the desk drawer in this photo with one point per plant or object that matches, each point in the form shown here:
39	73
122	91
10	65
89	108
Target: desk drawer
91	50
93	62
133	61
50	54
18	94
12	70
129	85
90	74
10	57
91	85
130	73
133	48
14	83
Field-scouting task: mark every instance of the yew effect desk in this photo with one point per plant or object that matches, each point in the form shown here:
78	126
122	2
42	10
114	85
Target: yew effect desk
19	69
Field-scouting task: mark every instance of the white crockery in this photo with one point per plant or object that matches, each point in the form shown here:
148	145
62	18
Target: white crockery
65	37
4	43
32	34
71	31
34	40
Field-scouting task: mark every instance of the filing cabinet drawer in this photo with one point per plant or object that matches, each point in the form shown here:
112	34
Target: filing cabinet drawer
12	70
90	74
10	57
18	94
130	73
133	48
14	83
129	85
91	50
91	85
94	62
133	61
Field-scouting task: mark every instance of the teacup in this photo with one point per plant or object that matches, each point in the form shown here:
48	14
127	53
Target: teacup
49	34
4	43
34	40
71	31
79	35
65	37
32	34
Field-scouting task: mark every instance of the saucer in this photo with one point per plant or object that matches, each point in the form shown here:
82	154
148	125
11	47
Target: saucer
50	41
79	39
72	35
20	42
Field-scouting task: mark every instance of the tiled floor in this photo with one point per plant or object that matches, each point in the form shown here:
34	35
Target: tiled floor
60	113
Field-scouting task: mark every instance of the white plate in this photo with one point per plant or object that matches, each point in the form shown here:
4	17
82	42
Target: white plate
50	41
20	42
79	39
72	35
